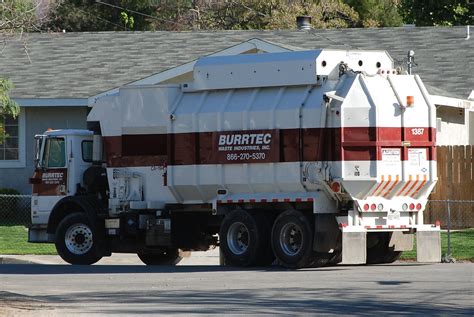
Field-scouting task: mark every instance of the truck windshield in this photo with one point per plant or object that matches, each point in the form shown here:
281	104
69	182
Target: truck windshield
39	140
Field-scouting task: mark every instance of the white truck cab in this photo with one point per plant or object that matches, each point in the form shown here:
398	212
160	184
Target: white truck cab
61	157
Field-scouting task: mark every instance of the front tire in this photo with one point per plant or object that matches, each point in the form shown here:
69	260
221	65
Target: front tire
77	240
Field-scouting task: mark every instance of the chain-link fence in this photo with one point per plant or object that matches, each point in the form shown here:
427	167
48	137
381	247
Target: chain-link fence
15	217
15	210
453	214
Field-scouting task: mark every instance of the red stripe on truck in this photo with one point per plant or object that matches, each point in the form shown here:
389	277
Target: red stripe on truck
264	146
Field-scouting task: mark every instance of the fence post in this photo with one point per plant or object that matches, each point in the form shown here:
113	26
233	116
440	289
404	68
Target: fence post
447	258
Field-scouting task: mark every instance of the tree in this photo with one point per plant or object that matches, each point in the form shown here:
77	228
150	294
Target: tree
7	105
377	13
15	16
107	15
439	12
20	16
324	13
236	15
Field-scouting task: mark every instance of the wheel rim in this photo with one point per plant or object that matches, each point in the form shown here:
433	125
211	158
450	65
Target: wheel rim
78	239
291	239
238	238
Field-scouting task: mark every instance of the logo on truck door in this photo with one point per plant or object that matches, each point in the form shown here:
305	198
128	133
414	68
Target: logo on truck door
51	182
256	146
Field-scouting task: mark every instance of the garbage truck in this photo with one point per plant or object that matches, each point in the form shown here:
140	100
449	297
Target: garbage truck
298	159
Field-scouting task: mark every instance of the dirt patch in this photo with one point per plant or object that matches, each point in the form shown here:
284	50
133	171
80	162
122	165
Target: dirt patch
12	304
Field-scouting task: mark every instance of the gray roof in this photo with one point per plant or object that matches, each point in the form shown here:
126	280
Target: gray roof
81	65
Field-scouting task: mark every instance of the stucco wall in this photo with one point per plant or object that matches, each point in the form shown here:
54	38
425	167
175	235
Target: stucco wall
38	120
453	128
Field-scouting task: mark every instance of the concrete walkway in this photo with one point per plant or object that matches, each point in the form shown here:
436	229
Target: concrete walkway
196	258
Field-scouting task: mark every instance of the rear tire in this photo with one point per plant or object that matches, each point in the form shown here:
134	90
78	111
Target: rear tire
244	239
169	257
380	252
292	241
77	240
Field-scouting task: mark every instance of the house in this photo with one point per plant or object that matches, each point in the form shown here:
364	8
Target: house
57	77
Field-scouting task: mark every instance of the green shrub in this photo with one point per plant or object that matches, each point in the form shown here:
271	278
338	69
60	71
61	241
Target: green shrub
9	191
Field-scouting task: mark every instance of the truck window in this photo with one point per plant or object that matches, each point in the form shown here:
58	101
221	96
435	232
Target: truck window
39	139
55	153
86	151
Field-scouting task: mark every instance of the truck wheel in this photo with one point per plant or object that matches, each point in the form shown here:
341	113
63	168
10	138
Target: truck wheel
169	257
291	240
76	240
241	241
379	252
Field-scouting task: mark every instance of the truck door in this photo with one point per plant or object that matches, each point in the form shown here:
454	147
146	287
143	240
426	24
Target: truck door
50	178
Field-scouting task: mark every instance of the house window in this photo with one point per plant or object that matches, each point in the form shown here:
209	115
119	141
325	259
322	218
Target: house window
9	138
12	140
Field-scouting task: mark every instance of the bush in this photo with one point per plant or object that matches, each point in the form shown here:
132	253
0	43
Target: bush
9	191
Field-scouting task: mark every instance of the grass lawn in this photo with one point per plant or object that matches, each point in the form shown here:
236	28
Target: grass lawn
462	245
14	240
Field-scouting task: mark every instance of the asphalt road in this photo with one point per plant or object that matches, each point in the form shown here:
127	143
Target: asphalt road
396	289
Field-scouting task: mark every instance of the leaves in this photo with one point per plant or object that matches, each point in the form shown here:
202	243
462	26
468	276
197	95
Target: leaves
324	14
377	13
20	16
437	13
7	105
127	20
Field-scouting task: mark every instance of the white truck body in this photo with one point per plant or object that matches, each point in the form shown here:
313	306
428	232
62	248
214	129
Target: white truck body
332	130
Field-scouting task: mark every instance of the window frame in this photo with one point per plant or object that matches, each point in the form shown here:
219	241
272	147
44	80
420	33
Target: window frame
21	161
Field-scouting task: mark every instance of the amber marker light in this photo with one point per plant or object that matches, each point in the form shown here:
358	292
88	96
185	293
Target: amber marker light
410	101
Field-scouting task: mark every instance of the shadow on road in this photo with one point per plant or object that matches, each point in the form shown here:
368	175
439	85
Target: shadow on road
282	301
44	269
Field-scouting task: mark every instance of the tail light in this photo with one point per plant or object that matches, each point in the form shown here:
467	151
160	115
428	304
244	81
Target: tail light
336	187
412	206
418	206
366	207
373	207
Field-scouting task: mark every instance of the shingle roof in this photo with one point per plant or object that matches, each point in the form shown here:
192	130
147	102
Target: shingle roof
81	65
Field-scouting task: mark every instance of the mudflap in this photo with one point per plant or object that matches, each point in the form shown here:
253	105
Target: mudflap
428	245
354	245
400	241
221	258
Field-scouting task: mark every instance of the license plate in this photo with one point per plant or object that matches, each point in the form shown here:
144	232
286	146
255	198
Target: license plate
393	216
